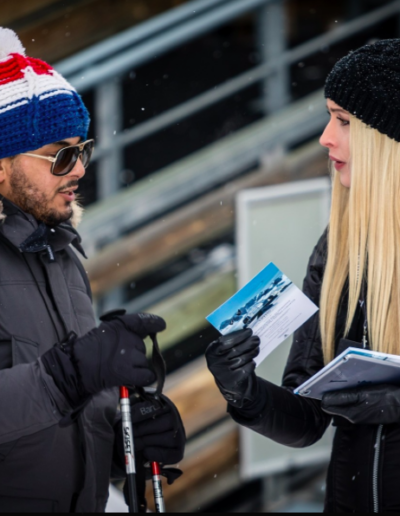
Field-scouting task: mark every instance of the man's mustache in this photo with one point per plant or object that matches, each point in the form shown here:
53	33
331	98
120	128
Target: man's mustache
70	184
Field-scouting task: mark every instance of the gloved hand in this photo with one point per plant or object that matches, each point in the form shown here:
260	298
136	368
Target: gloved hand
230	360
366	405
111	355
158	430
158	436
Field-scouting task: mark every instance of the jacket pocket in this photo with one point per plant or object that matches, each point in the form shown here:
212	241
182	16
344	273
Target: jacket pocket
5	449
24	350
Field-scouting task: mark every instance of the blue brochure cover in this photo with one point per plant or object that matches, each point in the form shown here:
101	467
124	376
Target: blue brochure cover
270	304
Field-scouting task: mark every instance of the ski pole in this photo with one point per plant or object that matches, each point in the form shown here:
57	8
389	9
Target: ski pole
128	449
157	487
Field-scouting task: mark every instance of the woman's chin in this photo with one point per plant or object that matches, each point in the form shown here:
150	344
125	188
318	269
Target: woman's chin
345	179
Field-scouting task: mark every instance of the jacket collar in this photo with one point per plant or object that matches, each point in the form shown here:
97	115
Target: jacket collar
29	235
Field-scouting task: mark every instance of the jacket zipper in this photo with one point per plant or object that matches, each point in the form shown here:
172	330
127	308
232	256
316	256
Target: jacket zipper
376	468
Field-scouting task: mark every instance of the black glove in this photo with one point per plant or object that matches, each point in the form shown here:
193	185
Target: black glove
158	431
230	360
111	355
367	405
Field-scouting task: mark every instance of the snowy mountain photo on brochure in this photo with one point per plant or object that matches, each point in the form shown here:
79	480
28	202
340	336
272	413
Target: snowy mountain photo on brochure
270	304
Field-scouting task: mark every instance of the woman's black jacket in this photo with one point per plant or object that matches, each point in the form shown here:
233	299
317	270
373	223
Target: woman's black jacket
364	471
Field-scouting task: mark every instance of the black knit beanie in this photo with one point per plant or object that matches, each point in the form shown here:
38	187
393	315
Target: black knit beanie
366	83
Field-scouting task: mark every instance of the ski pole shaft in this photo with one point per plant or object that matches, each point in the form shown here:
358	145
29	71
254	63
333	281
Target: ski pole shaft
129	449
157	487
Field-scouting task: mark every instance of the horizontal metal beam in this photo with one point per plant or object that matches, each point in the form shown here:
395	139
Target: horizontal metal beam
187	310
219	257
201	171
202	220
125	60
246	79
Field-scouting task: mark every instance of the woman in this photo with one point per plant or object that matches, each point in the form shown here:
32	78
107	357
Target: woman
354	277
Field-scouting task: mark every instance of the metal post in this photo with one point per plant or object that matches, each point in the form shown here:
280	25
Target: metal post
108	108
271	36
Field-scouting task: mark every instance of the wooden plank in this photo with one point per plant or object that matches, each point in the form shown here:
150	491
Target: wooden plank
187	310
204	471
77	25
197	397
211	458
12	11
173	235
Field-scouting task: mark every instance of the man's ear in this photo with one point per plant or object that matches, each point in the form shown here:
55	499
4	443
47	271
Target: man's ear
4	164
5	170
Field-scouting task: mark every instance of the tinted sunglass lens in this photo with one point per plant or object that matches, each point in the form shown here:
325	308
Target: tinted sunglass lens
87	153
66	160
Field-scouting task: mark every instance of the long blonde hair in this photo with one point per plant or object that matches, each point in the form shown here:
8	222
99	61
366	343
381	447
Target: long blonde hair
364	241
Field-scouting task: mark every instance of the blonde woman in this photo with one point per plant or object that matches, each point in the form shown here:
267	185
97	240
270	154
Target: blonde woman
354	277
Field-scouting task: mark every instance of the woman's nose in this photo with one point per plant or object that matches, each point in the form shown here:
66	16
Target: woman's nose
327	138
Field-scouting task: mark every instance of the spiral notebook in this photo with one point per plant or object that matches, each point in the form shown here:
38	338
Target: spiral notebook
352	368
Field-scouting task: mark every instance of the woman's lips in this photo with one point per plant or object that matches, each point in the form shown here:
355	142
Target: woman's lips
337	163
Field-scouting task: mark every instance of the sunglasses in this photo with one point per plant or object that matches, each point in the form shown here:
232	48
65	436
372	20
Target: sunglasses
66	158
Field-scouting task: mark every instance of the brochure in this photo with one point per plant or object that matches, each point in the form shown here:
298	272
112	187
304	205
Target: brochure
350	369
270	304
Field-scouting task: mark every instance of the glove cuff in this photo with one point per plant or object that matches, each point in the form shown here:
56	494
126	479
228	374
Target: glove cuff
61	368
254	402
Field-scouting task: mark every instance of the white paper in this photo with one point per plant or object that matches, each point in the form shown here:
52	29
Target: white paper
270	304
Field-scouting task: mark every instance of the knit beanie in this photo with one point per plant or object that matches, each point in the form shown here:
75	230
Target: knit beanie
37	105
366	83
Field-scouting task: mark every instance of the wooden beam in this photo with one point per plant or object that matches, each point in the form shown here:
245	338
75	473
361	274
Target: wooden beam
76	25
204	471
196	396
12	11
202	220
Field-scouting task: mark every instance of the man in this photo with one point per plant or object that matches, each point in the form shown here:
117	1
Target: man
60	432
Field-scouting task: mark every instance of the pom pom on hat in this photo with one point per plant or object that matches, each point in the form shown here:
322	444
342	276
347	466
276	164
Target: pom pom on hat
10	43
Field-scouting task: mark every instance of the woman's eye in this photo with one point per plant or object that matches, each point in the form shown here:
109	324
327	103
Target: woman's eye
343	122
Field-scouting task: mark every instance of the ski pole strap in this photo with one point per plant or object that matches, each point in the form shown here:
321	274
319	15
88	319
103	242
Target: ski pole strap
158	365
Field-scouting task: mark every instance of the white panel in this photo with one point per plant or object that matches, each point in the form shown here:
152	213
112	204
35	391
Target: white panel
279	224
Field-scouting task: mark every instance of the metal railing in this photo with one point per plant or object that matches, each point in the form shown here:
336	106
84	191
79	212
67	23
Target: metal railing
197	173
102	67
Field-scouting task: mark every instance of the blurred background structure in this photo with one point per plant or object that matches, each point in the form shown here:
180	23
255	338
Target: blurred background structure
193	102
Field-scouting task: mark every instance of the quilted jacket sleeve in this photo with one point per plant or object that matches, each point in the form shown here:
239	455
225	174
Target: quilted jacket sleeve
278	413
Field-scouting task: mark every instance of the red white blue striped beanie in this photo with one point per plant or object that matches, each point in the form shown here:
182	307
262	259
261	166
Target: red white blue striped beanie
37	105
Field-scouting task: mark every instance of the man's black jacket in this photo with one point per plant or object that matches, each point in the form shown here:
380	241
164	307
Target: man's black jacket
299	422
43	296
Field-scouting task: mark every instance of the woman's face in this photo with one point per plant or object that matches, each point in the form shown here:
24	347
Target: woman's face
336	137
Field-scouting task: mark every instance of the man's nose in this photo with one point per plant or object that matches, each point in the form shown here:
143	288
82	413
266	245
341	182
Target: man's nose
79	170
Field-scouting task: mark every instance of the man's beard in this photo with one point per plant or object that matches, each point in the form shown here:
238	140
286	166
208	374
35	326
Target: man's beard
33	201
